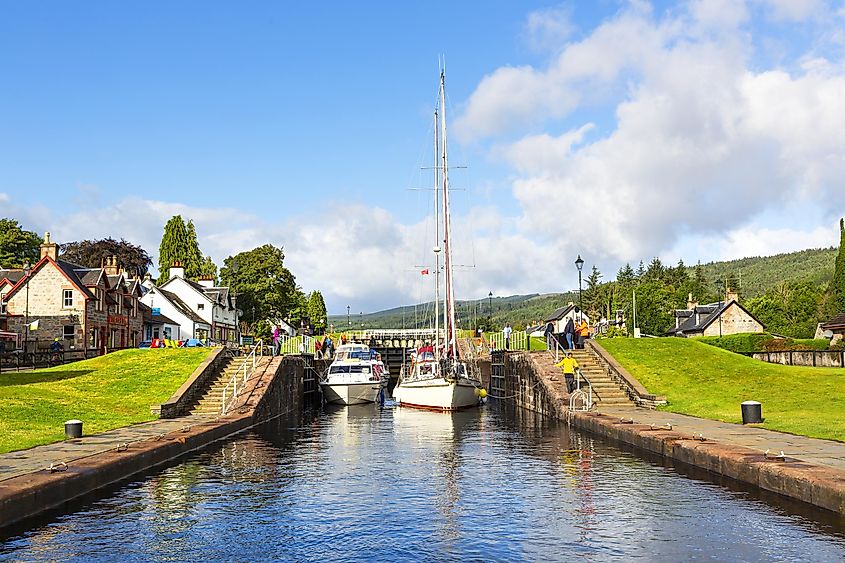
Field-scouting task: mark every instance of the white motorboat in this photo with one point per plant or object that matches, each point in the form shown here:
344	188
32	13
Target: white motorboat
435	378
355	376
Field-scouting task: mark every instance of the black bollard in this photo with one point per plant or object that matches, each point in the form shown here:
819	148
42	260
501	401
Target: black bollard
752	412
73	429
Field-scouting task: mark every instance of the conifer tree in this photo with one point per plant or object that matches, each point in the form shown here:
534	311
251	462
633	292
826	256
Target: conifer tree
317	310
838	283
194	261
208	269
173	247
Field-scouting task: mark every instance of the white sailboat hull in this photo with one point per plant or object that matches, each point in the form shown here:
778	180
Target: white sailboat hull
436	394
351	393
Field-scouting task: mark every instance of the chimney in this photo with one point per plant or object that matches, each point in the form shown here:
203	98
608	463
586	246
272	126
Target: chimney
49	249
207	281
731	295
111	266
176	270
690	303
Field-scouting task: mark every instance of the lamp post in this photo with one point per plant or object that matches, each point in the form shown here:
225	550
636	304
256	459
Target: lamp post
348	322
490	304
26	271
579	263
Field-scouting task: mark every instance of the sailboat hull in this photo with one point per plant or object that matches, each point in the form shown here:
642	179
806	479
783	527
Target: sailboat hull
436	394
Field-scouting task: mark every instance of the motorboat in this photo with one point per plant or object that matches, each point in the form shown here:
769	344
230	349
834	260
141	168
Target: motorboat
436	378
357	375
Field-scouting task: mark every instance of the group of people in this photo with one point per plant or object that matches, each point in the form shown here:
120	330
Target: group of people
573	335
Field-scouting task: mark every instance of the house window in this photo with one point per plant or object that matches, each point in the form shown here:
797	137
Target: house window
67	298
68	331
99	295
2	303
200	306
92	338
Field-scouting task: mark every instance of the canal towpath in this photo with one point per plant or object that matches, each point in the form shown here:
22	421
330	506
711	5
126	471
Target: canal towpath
40	458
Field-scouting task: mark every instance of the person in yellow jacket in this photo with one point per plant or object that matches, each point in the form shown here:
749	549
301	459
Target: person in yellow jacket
569	365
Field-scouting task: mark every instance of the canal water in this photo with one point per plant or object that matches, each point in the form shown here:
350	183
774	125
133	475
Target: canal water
369	484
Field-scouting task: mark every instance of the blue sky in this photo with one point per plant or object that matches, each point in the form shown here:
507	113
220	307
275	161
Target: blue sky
616	130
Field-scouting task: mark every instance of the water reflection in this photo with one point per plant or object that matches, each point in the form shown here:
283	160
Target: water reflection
363	483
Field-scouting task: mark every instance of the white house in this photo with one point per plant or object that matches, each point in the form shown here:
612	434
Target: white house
187	323
560	316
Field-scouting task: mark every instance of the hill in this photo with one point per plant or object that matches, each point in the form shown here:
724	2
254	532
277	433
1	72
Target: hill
757	274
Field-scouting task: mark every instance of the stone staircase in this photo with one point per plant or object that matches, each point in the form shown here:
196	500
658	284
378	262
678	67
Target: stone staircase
211	401
606	392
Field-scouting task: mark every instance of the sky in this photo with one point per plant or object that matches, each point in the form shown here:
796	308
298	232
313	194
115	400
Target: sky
614	130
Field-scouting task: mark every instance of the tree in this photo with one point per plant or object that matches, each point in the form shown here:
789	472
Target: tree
94	253
655	270
194	261
173	247
654	307
838	283
265	288
208	269
317	310
592	299
17	246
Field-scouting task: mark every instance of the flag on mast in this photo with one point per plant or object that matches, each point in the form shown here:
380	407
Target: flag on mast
424	272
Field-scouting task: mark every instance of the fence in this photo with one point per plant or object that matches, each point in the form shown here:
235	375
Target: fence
814	358
18	360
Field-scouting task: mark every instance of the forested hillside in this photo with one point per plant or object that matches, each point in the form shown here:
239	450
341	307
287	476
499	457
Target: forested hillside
788	292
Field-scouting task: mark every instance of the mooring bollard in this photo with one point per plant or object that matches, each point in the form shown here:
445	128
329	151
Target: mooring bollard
73	429
752	412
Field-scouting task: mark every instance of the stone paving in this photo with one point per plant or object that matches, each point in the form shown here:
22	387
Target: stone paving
810	450
14	464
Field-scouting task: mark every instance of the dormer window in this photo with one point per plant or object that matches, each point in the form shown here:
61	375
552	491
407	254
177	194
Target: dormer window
200	306
67	298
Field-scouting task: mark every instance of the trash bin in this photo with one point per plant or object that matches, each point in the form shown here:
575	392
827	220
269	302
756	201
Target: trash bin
752	412
73	429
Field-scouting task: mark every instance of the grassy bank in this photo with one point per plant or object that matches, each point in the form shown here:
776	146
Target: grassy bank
709	382
105	393
760	342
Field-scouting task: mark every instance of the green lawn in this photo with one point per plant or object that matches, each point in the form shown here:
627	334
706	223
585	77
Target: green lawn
105	393
709	382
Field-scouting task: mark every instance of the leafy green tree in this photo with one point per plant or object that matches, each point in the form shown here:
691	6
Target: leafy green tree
838	283
592	299
791	309
94	253
265	288
654	307
173	247
208	269
194	261
17	246
655	270
317	310
640	270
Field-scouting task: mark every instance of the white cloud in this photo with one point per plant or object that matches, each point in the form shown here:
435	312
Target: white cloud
4	197
794	10
548	29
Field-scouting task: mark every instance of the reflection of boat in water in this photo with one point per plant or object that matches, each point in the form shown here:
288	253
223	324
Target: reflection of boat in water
436	378
355	376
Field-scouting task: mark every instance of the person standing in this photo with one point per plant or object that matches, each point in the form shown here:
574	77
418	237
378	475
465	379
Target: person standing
583	331
569	333
569	365
277	338
507	332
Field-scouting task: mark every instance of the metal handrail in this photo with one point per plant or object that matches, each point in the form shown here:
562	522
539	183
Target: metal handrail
555	349
257	351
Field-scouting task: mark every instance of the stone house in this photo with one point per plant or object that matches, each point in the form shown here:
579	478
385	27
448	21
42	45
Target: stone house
87	308
834	329
714	319
8	279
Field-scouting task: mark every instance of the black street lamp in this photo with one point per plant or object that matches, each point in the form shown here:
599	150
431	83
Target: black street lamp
348	322
26	271
490	304
579	263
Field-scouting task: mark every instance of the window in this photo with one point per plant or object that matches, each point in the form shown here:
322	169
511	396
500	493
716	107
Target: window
2	303
99	295
67	298
200	306
92	338
68	331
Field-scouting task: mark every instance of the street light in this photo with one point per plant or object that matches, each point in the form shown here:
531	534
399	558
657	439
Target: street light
579	263
26	271
490	304
348	322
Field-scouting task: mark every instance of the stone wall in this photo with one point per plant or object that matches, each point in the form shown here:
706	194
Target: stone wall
820	358
525	389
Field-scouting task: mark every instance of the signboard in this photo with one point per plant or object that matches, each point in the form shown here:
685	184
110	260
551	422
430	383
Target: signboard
118	320
247	340
156	311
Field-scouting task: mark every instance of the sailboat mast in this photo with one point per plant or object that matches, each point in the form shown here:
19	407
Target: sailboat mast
449	313
437	348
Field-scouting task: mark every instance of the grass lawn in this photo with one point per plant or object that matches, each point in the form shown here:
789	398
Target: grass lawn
709	382
104	393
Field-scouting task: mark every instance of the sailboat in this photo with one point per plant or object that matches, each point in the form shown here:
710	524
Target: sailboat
436	378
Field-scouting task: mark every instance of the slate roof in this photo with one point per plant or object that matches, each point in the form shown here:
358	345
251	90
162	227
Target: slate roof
181	306
559	313
159	319
90	276
707	314
836	323
73	271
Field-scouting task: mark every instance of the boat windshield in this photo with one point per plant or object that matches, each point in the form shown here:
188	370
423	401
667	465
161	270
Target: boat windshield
349	369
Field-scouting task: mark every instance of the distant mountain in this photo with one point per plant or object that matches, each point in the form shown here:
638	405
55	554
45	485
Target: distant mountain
757	274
